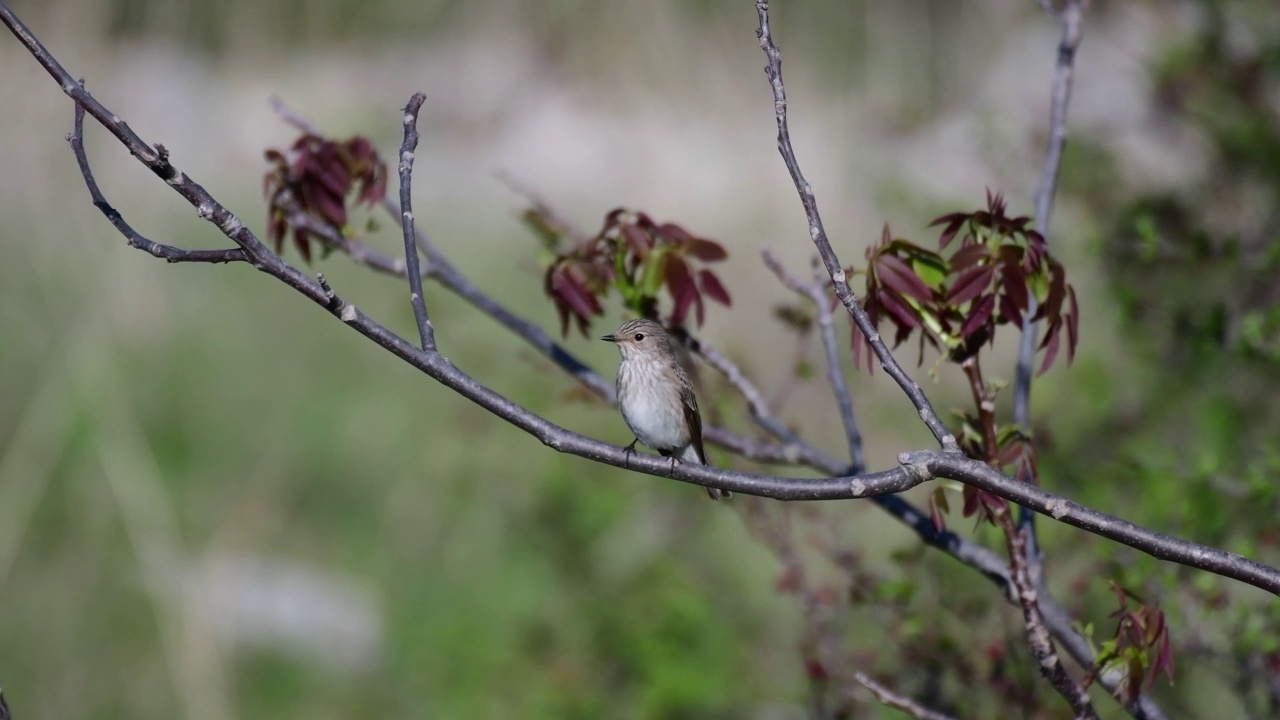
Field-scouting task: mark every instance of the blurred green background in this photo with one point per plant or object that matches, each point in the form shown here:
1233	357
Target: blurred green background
217	502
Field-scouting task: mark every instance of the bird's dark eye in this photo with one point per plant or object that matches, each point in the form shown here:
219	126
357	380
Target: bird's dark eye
639	337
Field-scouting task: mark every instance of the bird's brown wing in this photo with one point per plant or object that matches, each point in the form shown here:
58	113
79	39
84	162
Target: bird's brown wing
689	402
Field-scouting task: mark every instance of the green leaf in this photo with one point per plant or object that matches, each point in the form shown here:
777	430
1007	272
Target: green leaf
932	270
651	280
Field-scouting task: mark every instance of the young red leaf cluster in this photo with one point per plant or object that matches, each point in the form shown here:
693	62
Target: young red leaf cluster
987	268
323	176
638	257
1141	643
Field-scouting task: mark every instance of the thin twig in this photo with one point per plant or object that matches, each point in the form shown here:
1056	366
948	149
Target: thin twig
819	236
133	237
815	292
827	326
334	239
894	700
756	404
407	149
1069	17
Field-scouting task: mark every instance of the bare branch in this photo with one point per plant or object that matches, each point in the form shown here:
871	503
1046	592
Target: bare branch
135	239
1070	17
756	403
283	112
815	292
1156	544
407	148
819	236
894	700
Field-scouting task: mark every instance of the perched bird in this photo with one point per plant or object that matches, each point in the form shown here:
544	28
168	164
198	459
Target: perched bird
656	396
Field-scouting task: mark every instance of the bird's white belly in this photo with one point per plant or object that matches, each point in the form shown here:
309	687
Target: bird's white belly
657	421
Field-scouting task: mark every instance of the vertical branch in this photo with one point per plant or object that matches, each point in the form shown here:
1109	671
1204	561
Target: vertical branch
407	148
819	236
1038	637
827	329
815	293
1070	17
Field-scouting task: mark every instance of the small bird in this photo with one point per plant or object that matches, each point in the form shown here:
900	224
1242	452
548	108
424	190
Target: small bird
656	396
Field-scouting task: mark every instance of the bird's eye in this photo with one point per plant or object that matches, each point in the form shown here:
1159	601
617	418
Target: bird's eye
639	337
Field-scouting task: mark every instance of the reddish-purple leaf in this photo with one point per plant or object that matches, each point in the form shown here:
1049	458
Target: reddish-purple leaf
705	250
712	287
970	285
302	241
1010	311
971	501
937	505
336	179
1073	326
684	299
673	233
374	186
637	239
968	256
899	309
859	344
979	315
679	280
899	277
1015	284
949	233
562	309
949	218
575	294
1164	659
1052	340
675	272
276	228
1057	292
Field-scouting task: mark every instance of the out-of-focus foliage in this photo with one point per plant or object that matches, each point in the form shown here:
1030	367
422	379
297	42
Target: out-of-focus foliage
1194	273
635	256
958	296
321	177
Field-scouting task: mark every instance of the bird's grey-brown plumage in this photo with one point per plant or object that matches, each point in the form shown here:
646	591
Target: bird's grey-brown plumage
656	396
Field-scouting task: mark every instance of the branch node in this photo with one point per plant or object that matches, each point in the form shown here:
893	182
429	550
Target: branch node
349	314
324	285
916	462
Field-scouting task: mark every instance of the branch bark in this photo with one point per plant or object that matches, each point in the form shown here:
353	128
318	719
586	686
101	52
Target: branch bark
407	149
819	236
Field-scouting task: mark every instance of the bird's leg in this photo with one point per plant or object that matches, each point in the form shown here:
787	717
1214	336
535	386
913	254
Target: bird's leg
630	450
670	456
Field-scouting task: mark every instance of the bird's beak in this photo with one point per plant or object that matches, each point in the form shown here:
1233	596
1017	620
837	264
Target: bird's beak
609	338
